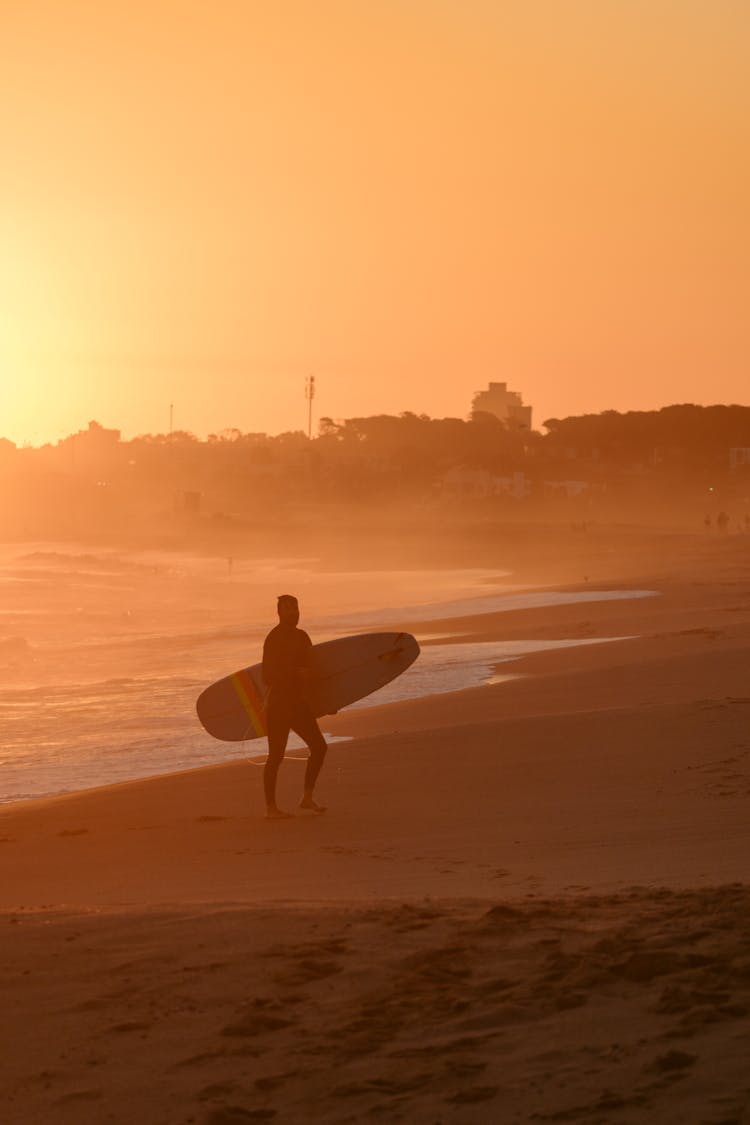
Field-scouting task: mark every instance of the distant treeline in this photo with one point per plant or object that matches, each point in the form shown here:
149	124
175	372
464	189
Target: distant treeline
694	452
700	433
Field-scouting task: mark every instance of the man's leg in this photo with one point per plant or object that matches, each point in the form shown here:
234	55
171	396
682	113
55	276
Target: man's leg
306	726
278	733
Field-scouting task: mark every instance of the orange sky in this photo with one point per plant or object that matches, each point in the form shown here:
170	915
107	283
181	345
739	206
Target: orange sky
202	202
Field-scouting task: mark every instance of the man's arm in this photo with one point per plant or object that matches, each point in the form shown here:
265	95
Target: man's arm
269	662
307	663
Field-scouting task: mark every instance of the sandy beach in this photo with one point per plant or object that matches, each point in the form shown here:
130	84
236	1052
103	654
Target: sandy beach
527	901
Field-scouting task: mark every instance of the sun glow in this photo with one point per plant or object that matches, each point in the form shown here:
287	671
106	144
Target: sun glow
38	327
409	200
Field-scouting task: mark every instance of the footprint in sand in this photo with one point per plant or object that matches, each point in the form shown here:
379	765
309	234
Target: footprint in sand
396	1086
79	1096
198	1060
238	1115
672	1061
129	1026
466	1068
307	971
254	1023
473	1094
271	1081
216	1090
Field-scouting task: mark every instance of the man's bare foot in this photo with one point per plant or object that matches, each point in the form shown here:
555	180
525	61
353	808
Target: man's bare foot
313	806
275	813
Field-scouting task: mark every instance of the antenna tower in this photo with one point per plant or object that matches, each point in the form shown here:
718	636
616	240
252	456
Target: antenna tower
309	395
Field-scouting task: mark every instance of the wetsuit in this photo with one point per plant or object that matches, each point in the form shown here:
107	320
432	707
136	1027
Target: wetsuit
287	651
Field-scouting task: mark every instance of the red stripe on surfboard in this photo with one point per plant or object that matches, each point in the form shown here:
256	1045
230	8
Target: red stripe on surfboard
247	693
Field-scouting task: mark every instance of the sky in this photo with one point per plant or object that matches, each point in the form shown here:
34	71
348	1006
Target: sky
201	204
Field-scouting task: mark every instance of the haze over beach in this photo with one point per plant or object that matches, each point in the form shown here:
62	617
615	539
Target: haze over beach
433	316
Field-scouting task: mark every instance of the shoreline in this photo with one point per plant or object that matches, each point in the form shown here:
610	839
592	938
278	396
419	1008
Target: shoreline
499	671
471	668
664	676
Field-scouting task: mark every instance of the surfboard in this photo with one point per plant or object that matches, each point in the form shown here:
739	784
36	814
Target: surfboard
345	670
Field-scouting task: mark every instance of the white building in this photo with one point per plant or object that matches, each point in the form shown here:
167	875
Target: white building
504	404
480	482
739	455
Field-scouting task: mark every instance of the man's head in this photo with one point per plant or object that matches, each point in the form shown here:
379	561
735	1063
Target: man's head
288	609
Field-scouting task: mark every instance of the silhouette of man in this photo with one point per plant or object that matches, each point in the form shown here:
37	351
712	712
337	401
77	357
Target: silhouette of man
287	669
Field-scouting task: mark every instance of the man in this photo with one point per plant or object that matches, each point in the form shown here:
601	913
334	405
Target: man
287	669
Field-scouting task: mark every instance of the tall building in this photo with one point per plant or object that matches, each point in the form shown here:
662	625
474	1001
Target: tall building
504	404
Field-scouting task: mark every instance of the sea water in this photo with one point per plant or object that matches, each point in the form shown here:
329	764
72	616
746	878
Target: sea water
103	654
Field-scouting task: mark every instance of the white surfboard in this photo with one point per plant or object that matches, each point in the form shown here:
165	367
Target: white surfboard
345	670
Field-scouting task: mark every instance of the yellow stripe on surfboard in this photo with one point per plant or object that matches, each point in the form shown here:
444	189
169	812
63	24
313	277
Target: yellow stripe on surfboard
248	697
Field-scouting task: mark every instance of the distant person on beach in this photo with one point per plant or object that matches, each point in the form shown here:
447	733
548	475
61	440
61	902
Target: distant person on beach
287	668
722	522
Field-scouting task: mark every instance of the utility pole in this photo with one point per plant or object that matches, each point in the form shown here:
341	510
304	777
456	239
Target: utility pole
171	419
309	395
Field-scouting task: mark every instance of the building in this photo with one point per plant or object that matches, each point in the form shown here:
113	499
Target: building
569	488
739	455
94	449
504	404
460	481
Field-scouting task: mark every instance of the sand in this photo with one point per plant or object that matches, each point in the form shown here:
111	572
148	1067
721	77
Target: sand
527	901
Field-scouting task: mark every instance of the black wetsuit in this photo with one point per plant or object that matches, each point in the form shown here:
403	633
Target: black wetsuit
286	652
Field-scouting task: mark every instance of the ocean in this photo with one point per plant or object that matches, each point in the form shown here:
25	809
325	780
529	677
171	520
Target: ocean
103	653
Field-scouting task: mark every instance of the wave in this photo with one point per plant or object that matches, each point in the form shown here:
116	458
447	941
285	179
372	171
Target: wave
56	559
460	608
78	693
